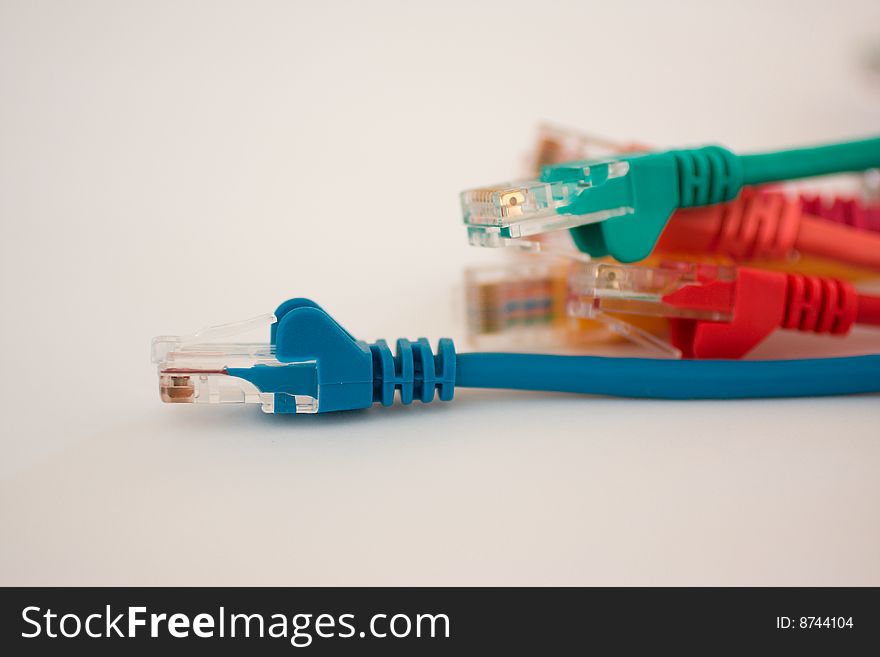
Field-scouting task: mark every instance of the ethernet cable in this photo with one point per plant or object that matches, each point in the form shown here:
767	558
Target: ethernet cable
718	311
313	365
767	224
620	205
848	211
558	145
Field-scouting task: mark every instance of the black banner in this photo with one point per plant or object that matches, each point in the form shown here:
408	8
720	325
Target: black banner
418	621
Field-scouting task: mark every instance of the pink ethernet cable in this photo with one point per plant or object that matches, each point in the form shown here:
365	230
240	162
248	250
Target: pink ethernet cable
851	211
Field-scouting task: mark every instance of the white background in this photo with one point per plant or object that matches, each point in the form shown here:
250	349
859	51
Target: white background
165	166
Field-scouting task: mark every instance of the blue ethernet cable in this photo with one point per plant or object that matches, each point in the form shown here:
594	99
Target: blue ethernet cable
651	378
313	365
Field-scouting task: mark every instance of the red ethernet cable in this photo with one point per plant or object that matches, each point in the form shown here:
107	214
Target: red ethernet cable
718	311
763	224
764	301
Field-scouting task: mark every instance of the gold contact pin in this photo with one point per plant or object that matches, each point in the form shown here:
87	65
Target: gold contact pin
509	200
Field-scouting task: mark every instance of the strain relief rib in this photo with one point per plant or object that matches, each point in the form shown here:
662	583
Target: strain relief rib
820	305
414	370
707	175
758	225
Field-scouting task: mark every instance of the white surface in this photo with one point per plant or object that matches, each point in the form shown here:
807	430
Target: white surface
166	166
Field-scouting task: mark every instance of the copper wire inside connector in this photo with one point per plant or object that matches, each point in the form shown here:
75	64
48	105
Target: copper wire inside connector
186	370
176	389
176	384
500	305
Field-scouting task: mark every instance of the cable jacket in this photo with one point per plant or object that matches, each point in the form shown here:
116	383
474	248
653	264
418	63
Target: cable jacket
869	310
838	242
807	162
670	379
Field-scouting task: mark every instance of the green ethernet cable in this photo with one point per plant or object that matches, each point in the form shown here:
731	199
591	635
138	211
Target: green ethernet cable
618	207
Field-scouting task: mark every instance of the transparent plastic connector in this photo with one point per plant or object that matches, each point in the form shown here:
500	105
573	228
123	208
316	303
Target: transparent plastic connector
635	289
556	244
194	369
605	291
517	304
511	211
556	144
